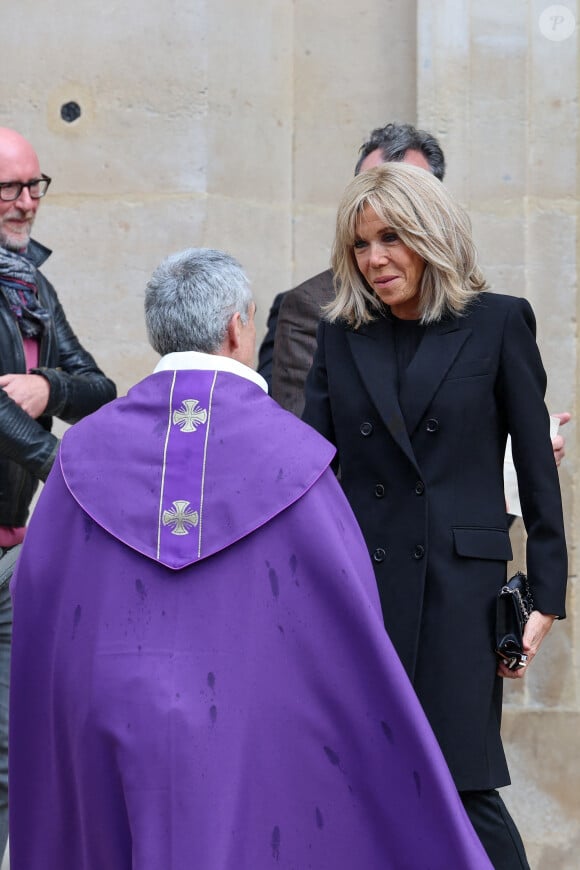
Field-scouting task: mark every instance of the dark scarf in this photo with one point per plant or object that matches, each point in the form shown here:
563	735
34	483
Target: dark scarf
18	283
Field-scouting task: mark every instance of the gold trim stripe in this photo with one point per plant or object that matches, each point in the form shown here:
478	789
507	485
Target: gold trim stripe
207	428
162	493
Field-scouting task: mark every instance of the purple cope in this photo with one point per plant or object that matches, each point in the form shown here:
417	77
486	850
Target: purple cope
201	679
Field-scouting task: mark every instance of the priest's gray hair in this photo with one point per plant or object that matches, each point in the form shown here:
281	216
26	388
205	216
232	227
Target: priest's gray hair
190	299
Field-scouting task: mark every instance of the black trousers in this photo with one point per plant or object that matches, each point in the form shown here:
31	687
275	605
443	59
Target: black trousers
496	829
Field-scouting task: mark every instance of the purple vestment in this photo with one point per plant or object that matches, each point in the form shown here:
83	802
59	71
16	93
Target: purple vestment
200	677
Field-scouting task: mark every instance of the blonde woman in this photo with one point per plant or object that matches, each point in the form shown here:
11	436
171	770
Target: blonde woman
419	376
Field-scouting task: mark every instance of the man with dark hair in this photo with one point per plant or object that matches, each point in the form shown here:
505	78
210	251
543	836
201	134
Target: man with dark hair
44	373
402	143
220	693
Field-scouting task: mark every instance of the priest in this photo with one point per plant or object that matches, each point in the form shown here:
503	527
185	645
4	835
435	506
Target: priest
201	677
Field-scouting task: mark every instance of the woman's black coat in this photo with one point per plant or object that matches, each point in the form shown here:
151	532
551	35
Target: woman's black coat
422	467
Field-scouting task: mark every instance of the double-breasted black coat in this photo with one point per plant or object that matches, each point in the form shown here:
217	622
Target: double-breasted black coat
422	466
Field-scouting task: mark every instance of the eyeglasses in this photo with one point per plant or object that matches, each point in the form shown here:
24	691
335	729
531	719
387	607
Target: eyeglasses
37	187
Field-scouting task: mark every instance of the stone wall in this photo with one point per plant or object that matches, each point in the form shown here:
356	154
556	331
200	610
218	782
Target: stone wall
236	125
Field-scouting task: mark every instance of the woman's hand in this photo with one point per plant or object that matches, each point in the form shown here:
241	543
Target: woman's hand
537	627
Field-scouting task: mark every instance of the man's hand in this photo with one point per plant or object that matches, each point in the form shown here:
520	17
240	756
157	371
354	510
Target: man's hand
31	392
559	442
537	627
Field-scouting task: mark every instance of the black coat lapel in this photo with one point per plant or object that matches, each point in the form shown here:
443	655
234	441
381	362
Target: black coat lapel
373	350
434	357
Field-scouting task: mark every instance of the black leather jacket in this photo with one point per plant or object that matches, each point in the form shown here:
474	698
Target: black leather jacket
77	388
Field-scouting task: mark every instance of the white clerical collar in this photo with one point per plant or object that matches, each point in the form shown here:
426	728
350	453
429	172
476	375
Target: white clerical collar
209	362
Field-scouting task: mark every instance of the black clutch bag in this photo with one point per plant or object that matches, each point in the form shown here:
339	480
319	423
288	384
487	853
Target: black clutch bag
514	606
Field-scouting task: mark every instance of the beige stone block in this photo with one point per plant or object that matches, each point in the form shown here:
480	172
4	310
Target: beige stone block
543	752
567	473
104	253
552	677
573	611
250	100
499	233
313	236
340	94
259	236
551	258
499	24
553	116
498	170
443	96
551	270
506	279
497	86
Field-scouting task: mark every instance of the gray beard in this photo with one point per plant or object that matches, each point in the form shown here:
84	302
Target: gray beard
12	245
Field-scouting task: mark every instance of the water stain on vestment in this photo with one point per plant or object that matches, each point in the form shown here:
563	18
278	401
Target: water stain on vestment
332	756
417	779
274	582
388	732
294	568
275	843
88	527
76	620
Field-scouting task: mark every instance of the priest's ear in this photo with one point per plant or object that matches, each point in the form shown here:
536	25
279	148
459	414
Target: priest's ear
240	340
233	337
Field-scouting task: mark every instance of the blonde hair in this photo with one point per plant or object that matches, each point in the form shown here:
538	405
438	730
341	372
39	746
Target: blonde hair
428	221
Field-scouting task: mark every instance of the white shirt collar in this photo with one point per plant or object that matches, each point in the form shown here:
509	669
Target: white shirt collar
209	362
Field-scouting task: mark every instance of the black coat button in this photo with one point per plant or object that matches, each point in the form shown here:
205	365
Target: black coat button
379	555
418	552
419	487
379	490
366	429
432	425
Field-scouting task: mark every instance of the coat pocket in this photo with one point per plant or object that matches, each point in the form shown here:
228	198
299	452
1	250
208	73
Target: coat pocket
475	368
479	542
